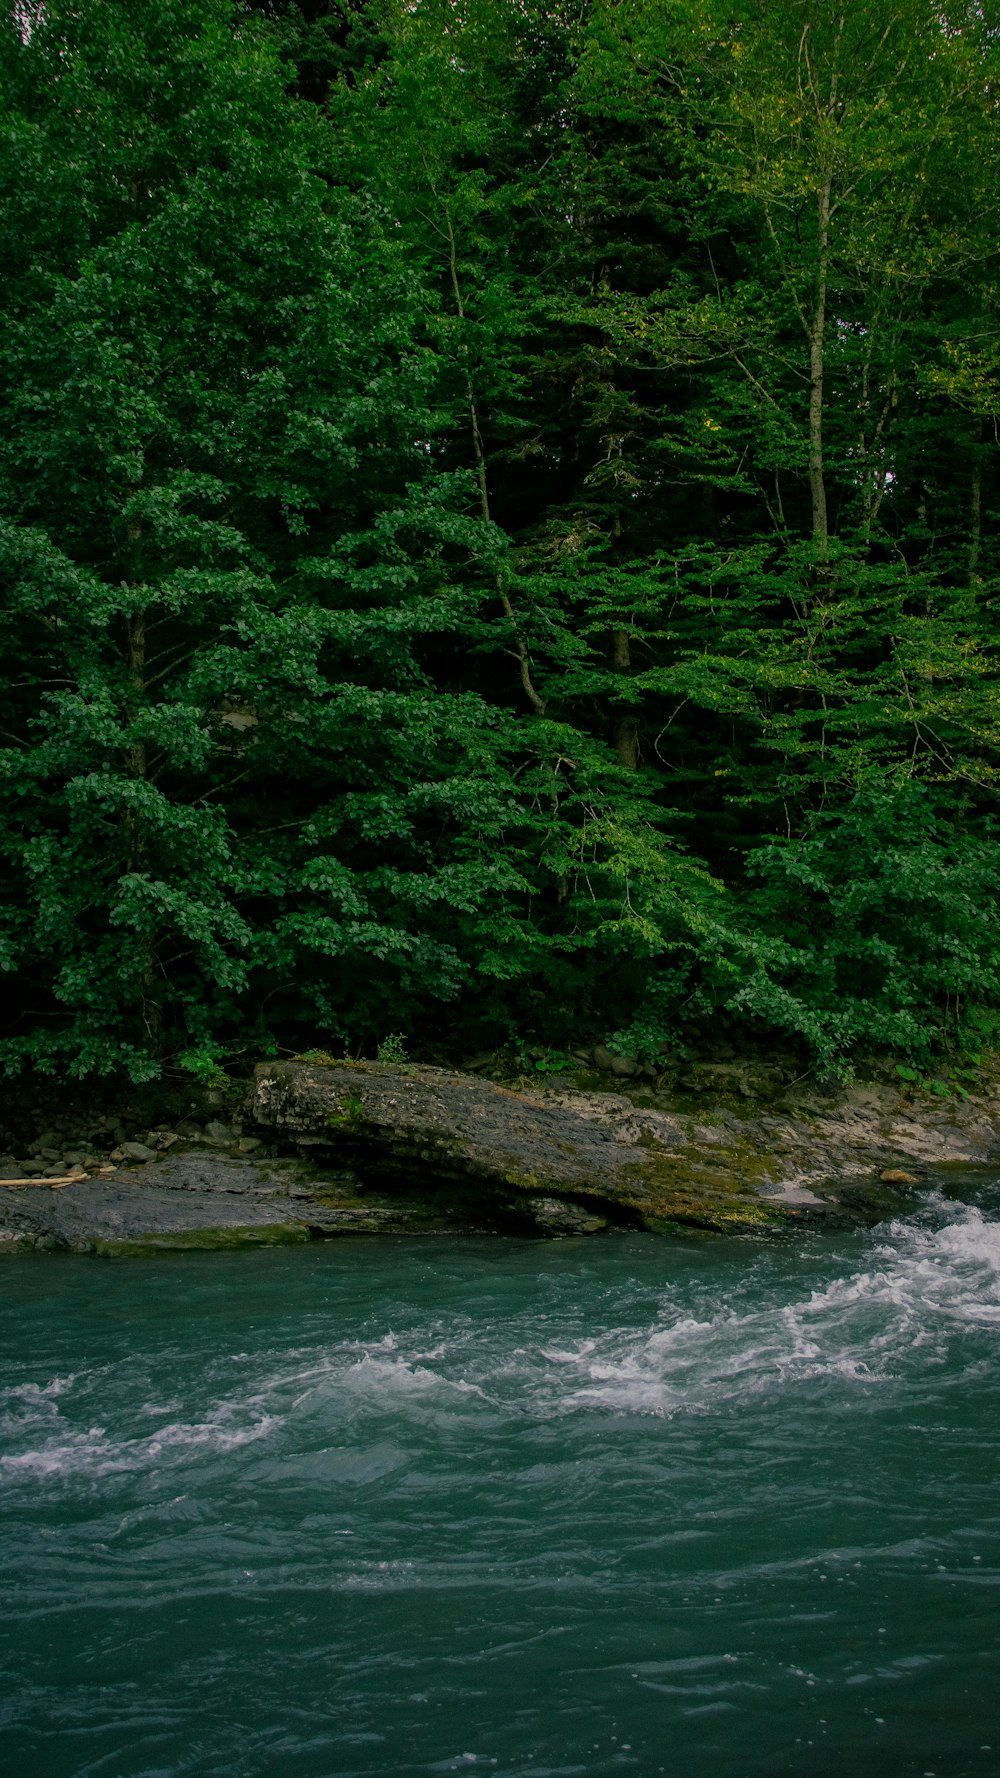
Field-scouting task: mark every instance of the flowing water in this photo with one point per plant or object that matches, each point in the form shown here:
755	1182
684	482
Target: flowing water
710	1509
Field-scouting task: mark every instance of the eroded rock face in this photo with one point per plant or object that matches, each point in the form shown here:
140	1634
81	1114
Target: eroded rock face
519	1151
608	1157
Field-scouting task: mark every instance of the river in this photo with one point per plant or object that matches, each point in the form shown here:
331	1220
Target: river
707	1508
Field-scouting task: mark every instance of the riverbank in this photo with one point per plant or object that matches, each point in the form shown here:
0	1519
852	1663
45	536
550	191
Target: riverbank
319	1150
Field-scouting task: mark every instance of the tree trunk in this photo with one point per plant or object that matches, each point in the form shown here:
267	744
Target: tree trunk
136	841
520	650
135	658
976	510
625	736
817	366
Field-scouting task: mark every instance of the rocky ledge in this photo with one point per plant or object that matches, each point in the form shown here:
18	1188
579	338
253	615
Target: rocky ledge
562	1157
369	1148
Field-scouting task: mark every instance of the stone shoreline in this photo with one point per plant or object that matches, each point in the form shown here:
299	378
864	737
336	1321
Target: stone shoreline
324	1151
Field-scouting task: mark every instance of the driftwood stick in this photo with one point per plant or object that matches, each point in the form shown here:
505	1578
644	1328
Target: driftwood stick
64	1179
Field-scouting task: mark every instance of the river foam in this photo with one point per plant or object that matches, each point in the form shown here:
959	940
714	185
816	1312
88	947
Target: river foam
923	1284
93	1451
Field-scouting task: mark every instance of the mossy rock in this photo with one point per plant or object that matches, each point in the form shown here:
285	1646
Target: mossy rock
219	1240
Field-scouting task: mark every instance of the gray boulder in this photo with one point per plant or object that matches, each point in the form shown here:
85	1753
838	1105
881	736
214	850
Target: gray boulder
508	1152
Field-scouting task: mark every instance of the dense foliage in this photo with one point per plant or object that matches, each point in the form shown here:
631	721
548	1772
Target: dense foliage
497	524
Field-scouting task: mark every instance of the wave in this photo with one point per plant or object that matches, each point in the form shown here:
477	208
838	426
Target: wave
93	1451
929	1283
927	1286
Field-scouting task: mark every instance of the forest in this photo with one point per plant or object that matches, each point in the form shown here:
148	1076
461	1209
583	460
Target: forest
498	528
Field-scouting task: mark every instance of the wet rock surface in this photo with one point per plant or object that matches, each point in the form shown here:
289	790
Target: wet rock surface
193	1199
182	1196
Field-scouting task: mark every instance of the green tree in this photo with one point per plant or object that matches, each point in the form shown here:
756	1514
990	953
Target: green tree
227	782
452	452
250	776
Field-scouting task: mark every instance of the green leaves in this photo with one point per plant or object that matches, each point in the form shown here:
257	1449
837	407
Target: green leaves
409	539
887	926
217	521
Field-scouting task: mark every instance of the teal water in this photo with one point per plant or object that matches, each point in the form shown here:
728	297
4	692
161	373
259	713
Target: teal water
710	1509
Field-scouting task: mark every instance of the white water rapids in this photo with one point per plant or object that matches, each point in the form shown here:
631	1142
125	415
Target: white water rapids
716	1509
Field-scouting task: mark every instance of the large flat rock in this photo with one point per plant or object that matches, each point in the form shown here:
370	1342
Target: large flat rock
522	1151
628	1158
196	1199
183	1199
